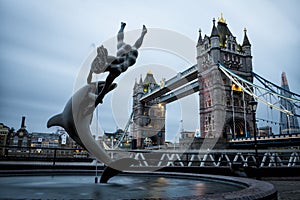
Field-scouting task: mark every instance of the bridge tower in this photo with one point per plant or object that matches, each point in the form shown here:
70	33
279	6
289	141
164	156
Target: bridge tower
148	120
223	106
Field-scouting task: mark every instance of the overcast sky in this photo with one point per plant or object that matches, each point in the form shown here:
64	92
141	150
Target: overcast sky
44	45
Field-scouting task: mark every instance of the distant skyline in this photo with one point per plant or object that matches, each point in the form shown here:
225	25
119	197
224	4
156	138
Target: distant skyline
44	44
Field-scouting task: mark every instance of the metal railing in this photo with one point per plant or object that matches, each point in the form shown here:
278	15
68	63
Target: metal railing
161	158
214	158
52	154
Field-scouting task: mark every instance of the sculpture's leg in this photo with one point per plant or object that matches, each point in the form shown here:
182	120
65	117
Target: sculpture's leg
120	36
139	41
110	78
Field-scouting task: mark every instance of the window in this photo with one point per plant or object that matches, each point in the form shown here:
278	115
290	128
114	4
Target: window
206	125
208	101
228	103
242	103
152	113
15	140
225	56
209	122
236	102
213	122
224	81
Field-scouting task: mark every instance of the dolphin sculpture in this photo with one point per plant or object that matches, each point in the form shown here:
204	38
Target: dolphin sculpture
76	118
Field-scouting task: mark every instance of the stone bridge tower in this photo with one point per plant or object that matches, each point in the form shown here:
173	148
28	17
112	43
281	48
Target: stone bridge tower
148	120
223	106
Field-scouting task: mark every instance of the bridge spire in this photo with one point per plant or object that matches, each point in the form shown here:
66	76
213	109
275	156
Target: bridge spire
214	31
200	37
246	46
141	80
246	40
221	19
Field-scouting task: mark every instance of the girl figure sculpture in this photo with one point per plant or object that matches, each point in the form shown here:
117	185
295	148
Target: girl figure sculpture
126	57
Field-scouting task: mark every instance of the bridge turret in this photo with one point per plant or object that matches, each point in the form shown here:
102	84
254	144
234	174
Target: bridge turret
246	48
215	43
200	40
148	120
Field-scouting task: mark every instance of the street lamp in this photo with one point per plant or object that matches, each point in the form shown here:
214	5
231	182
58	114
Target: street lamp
253	105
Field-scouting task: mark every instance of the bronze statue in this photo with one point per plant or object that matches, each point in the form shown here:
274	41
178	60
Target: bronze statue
126	57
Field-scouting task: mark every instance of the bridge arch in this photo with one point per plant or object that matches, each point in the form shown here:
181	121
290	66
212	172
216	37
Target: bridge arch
236	128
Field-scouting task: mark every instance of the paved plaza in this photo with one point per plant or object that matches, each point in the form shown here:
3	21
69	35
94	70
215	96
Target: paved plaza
288	188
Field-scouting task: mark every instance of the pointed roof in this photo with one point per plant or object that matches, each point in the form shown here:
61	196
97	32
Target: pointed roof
214	31
223	30
149	78
200	37
135	84
246	40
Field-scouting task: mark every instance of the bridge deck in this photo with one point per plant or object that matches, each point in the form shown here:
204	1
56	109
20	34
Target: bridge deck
180	93
179	80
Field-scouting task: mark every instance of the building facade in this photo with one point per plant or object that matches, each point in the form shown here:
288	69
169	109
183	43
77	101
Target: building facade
4	138
21	143
186	139
21	138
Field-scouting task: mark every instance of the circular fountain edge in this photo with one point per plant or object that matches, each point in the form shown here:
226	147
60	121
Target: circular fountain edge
255	189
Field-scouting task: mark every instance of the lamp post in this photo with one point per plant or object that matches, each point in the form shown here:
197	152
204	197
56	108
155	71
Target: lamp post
253	105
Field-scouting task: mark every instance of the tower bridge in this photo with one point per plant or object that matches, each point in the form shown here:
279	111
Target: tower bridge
224	79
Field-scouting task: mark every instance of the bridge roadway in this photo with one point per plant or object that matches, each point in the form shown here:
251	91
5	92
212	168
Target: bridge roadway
180	93
182	78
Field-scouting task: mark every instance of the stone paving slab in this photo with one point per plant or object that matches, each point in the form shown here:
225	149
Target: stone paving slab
288	187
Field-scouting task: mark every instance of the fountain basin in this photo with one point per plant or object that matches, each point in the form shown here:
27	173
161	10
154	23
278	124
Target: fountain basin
154	185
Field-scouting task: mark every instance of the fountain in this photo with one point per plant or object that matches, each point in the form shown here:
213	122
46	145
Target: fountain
76	118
